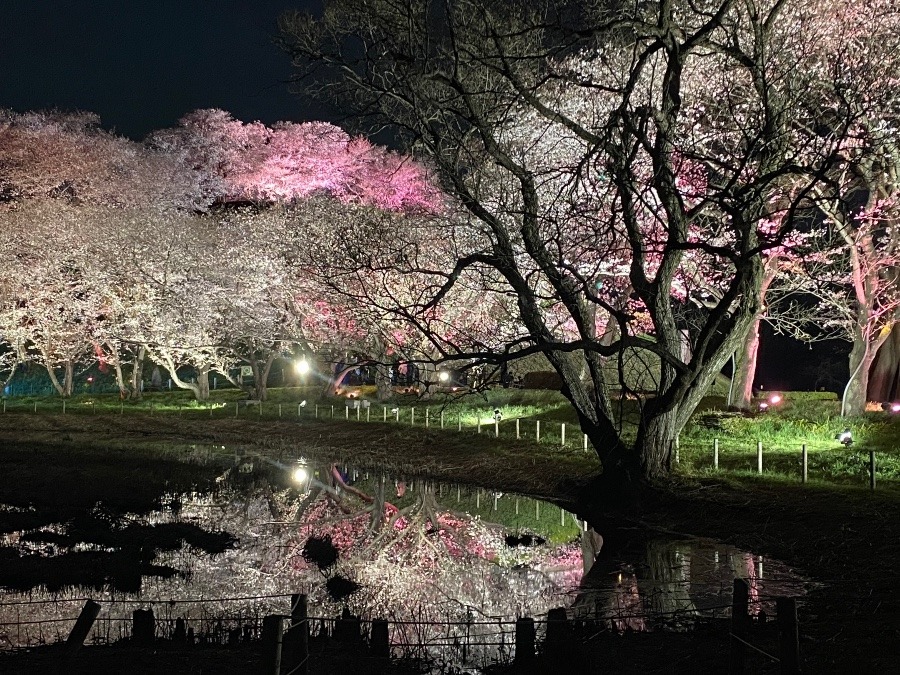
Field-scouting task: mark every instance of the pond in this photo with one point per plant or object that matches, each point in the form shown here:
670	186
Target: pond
449	567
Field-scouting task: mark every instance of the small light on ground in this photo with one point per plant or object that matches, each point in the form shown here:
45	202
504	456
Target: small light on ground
302	367
443	376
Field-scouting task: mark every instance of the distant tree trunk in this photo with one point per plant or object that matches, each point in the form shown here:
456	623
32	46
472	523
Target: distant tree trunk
885	374
261	370
67	386
862	355
746	355
200	388
137	372
745	368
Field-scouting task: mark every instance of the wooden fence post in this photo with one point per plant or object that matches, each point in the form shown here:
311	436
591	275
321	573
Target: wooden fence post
788	636
82	627
272	639
524	640
740	624
804	464
556	640
143	630
295	643
379	642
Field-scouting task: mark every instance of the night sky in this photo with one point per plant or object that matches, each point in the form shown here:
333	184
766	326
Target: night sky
141	66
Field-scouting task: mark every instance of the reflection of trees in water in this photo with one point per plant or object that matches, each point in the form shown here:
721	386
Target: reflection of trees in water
668	582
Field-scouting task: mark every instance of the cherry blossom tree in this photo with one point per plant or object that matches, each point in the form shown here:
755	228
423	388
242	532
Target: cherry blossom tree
566	132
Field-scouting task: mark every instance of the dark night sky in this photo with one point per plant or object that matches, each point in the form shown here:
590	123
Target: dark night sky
142	65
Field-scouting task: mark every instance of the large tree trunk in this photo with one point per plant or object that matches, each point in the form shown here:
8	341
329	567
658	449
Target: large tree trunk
885	374
861	357
745	368
655	444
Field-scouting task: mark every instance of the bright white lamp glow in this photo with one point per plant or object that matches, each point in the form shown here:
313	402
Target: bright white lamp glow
300	475
302	367
443	376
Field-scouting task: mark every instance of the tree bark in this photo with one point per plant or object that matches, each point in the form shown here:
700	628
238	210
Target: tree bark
137	371
745	367
883	378
861	357
655	443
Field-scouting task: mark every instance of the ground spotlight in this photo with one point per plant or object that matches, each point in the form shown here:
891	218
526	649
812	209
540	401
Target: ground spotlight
845	437
302	367
443	376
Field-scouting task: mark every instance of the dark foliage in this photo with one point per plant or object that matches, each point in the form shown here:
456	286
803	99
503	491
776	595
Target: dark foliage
320	551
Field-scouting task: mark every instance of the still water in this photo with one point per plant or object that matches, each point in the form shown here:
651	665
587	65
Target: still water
451	567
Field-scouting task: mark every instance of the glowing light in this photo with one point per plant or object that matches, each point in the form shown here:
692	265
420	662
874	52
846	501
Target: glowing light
300	475
763	406
895	407
845	437
302	367
443	376
775	399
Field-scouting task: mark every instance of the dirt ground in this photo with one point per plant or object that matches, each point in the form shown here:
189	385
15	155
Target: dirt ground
846	541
